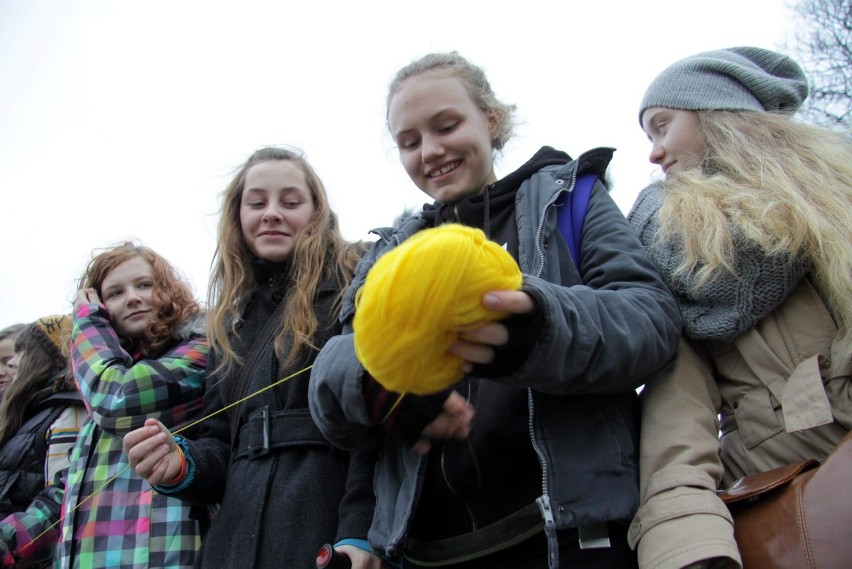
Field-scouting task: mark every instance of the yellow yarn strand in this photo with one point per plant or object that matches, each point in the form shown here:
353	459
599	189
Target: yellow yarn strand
127	466
419	296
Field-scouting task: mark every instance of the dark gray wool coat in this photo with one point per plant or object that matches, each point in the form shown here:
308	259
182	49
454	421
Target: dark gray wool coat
282	500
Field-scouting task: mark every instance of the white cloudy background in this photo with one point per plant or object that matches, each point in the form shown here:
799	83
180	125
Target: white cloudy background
124	119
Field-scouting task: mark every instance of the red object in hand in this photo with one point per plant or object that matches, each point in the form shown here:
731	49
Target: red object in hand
328	558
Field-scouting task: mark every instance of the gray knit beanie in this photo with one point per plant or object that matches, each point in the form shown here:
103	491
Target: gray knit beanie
733	79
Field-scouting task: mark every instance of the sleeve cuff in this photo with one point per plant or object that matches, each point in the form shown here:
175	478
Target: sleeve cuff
407	414
524	331
362	544
190	470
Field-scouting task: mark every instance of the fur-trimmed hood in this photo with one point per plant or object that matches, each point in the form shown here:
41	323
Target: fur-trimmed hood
195	325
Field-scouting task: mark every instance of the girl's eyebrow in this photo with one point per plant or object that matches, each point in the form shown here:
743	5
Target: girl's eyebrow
109	289
286	190
437	115
403	132
652	121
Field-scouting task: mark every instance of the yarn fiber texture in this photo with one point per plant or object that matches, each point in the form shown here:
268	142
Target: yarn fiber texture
419	296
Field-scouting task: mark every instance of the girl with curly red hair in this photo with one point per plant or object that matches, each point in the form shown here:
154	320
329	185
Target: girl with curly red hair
138	350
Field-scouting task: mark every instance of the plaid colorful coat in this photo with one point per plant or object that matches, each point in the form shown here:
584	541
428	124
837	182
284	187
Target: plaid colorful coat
112	517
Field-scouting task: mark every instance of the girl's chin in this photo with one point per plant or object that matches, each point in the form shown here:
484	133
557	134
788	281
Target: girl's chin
452	194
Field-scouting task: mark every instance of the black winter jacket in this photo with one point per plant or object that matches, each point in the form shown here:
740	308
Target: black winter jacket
22	457
284	489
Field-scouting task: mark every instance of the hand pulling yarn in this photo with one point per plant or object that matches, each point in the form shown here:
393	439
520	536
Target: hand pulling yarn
419	296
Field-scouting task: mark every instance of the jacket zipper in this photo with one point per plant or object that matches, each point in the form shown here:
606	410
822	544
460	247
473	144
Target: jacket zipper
543	501
540	229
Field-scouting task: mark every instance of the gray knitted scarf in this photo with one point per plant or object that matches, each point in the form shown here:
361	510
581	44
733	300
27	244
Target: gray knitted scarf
729	304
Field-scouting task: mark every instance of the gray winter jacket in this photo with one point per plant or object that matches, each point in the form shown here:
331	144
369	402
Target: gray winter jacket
603	334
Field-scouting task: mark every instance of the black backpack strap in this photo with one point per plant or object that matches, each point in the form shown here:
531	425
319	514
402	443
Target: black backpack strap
40	434
240	385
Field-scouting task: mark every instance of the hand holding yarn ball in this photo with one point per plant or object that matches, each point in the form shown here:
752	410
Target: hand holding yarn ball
420	297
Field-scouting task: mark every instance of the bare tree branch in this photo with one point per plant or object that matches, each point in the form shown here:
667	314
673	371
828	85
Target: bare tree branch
823	45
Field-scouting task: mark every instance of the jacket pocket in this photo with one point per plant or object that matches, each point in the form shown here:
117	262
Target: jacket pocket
618	432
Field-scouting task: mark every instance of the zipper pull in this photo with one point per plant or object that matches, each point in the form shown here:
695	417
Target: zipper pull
543	502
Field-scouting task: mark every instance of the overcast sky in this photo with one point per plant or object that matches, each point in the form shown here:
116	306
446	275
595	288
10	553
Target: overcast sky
124	120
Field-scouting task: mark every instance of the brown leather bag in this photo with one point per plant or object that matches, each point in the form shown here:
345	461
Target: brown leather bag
797	516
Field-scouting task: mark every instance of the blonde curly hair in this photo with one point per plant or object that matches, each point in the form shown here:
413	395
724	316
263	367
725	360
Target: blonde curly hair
784	185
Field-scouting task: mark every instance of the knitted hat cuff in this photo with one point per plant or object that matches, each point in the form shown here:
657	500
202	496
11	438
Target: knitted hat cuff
52	332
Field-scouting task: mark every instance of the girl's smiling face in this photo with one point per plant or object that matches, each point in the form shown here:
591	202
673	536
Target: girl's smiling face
276	206
127	292
443	137
676	143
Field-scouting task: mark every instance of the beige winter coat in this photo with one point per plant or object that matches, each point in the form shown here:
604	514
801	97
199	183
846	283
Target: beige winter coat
783	398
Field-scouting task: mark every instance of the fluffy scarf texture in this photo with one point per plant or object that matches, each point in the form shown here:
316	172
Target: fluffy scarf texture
730	303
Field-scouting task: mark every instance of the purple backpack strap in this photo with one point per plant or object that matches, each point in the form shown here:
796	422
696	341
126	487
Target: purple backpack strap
571	214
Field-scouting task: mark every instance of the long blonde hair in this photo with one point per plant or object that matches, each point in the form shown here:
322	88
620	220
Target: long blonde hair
787	188
319	249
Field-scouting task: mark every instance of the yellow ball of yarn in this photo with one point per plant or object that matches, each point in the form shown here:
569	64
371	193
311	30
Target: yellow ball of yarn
419	296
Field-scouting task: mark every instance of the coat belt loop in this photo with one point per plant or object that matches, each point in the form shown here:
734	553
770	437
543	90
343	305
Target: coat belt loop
265	447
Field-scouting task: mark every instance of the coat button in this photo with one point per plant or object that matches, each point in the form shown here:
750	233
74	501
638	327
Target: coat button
635	529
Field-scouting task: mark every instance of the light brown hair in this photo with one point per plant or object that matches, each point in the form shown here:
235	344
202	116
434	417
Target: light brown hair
320	248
